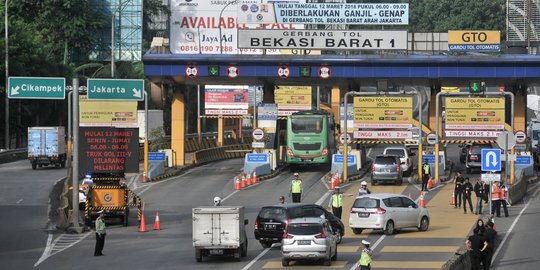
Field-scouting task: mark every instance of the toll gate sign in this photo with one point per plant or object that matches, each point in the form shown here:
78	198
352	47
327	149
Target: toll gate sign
105	150
383	112
474	117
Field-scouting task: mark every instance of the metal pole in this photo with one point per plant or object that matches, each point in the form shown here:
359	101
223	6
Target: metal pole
318	97
75	175
199	113
112	43
6	24
436	154
145	136
70	141
255	108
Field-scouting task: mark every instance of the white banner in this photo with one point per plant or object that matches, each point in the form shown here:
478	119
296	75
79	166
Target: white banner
380	126
209	27
225	112
322	39
325	13
472	134
387	134
474	127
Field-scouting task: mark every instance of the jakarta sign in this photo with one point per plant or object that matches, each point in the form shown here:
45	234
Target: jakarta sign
115	89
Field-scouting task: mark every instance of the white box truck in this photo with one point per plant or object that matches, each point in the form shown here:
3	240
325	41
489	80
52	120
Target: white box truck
219	231
47	146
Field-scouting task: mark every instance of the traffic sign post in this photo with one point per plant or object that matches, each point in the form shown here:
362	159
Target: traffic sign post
431	138
343	136
36	88
257	134
491	160
115	89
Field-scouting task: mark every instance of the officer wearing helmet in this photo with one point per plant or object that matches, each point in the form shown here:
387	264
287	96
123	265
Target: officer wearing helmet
217	201
336	202
296	188
363	190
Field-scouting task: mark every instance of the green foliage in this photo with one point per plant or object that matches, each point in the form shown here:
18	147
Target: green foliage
159	141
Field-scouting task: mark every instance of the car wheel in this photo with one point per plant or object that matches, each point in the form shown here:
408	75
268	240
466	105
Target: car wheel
198	255
238	254
357	230
389	228
284	262
334	258
373	182
338	235
265	244
469	170
424	224
327	261
34	165
244	249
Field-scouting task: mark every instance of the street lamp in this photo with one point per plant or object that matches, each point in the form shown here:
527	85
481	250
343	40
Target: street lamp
7	75
220	15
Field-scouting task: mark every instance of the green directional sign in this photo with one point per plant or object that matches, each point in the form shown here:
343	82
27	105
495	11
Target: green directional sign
213	71
115	89
36	88
305	71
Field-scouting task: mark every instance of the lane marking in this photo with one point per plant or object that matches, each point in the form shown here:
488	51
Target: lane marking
512	226
373	247
46	252
303	265
63	242
419	249
228	196
19	201
256	258
407	264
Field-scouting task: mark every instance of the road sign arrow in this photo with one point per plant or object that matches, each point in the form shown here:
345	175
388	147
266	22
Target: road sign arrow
137	93
15	90
493	156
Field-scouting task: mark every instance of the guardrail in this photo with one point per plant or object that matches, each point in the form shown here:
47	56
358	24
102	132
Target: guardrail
13	155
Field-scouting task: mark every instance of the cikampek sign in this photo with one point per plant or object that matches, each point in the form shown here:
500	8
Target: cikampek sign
322	39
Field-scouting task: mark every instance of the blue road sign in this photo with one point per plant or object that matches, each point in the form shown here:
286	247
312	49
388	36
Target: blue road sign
263	158
523	160
156	156
431	159
338	158
491	160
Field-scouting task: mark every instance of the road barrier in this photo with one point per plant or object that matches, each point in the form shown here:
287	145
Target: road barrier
220	153
13	155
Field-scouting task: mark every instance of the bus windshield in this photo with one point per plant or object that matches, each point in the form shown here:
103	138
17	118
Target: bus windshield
307	124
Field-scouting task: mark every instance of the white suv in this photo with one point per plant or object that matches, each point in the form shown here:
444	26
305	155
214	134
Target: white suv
387	212
404	155
309	239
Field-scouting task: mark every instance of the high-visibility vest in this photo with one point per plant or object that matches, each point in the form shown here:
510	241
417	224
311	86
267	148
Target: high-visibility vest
495	192
337	200
426	169
365	259
296	186
503	193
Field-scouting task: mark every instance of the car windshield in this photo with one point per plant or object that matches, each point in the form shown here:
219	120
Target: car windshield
477	149
385	160
307	124
304	228
366	203
398	152
277	213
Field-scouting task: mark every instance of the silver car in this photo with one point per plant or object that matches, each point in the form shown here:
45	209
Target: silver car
309	239
386	168
387	212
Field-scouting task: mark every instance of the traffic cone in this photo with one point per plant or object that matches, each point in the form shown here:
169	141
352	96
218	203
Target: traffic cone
453	202
157	224
410	196
144	178
422	203
338	178
243	184
332	182
248	178
254	179
237	183
430	183
142	226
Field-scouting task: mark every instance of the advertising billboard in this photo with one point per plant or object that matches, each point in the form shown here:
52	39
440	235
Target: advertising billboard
226	99
291	99
103	113
383	112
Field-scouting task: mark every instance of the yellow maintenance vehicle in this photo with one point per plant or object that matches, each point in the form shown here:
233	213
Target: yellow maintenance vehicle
110	194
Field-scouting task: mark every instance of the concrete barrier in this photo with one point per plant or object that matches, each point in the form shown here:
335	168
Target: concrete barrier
13	155
517	191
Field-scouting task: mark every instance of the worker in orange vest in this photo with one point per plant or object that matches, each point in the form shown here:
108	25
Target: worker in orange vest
495	199
502	200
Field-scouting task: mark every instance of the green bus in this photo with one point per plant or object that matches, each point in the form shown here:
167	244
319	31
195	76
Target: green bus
310	137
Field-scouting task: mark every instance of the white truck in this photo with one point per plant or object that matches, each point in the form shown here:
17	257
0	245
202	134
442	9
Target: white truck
47	146
219	231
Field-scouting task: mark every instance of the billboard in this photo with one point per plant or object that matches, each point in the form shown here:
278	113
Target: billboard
324	13
475	117
198	26
109	149
291	99
474	40
322	39
226	99
103	113
383	112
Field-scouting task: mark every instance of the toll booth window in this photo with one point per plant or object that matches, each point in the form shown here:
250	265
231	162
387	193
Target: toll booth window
307	124
398	152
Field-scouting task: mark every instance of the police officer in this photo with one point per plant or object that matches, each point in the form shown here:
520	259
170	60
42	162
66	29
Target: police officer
363	190
296	189
336	202
365	256
426	170
217	201
100	234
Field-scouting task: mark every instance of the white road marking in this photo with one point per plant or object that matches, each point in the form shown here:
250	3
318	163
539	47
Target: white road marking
19	201
512	226
355	266
63	242
228	196
256	259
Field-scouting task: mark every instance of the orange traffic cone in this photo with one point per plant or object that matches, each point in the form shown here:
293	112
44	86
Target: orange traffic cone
237	183
410	196
453	202
243	184
142	226
422	203
338	178
157	224
248	178
254	177
430	183
332	182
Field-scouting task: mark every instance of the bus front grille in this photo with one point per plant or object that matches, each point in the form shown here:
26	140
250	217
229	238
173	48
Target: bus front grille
307	146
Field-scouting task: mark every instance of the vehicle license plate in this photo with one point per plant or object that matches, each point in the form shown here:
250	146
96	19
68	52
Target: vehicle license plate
363	214
387	170
216	252
270	226
304	242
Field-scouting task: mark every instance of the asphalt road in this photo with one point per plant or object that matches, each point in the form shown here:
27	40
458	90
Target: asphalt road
23	210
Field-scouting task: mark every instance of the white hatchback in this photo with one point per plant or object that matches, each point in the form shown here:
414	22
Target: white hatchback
387	212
